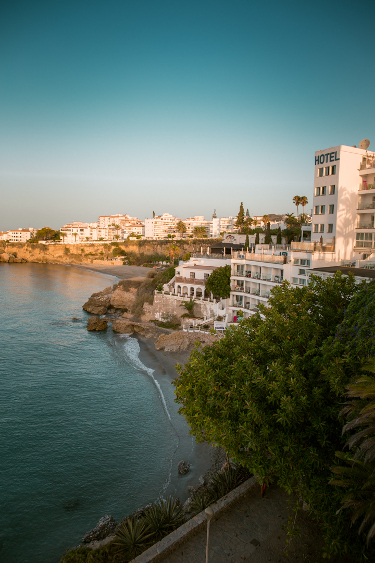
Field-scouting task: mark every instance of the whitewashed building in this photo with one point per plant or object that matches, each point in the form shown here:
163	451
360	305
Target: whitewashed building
17	235
160	226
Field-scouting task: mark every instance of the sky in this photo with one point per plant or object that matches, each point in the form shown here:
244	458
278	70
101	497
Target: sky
183	107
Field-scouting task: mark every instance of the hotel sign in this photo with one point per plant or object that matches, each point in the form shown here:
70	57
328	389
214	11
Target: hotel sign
328	157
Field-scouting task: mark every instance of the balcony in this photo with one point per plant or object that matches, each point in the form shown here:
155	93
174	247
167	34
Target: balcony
363	225
266	277
259	257
363	187
362	206
191	281
303	246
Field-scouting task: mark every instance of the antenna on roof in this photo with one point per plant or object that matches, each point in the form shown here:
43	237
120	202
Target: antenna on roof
364	144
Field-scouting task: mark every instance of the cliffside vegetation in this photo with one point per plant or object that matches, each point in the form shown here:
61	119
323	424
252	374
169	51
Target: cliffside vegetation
145	293
270	392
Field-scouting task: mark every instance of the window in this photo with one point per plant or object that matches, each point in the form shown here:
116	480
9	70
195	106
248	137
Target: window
316	210
331	209
302	281
320	172
331	190
316	228
317	191
192	275
294	280
321	228
301	272
326	170
305	262
322	209
330	228
296	261
206	276
324	190
333	169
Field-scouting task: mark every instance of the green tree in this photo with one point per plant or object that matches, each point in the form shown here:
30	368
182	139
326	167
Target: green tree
240	218
265	220
189	306
181	228
219	282
46	233
257	238
247	243
268	238
269	392
278	240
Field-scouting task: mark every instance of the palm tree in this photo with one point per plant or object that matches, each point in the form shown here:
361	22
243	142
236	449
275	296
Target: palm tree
199	231
174	251
358	476
181	228
297	202
265	220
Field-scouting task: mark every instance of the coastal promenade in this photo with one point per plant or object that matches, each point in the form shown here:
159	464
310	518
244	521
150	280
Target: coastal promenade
252	532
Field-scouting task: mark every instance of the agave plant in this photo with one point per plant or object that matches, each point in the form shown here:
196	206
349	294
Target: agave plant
164	516
200	500
132	537
226	480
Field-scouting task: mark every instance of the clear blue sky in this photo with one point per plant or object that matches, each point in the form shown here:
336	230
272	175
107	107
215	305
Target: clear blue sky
175	106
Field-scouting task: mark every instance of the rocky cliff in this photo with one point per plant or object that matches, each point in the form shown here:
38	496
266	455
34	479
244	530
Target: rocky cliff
87	253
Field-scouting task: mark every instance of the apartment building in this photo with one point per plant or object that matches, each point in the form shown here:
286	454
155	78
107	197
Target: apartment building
17	235
124	224
190	279
197	221
220	225
342	233
161	226
344	202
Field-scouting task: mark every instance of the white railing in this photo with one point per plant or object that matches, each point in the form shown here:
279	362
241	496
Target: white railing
259	257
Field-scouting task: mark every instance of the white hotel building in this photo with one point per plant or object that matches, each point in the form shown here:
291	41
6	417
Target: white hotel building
342	233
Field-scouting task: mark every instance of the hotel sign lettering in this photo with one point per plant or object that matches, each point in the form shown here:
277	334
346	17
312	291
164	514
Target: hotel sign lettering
328	157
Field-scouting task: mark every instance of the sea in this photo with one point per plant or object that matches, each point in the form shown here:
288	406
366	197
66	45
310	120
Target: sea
86	429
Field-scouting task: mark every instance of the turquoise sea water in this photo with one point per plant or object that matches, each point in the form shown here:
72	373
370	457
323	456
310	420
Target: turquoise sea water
85	428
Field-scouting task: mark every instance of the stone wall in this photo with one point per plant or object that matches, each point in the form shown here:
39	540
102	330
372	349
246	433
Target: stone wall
172	305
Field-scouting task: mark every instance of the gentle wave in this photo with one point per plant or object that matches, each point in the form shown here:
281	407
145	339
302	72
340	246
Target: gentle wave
132	349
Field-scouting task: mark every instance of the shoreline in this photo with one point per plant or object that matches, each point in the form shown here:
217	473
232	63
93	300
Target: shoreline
202	457
122	272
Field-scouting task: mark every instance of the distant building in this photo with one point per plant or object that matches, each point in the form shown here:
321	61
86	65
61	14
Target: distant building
17	235
161	226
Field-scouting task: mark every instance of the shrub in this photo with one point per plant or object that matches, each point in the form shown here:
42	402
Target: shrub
67	250
132	537
164	516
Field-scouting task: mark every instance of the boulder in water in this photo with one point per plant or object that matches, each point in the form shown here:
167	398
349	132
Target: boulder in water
96	323
183	467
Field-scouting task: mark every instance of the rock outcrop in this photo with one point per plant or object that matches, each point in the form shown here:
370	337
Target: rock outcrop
6	257
99	302
96	323
179	340
105	527
125	326
183	467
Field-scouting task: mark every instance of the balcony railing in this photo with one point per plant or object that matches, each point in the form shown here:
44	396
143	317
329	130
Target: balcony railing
365	225
362	206
363	244
192	281
266	277
367	187
259	257
303	246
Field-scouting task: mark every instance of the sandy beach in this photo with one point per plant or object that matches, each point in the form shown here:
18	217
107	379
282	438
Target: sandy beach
121	272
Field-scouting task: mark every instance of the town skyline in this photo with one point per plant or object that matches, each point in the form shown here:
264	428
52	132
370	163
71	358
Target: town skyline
183	106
